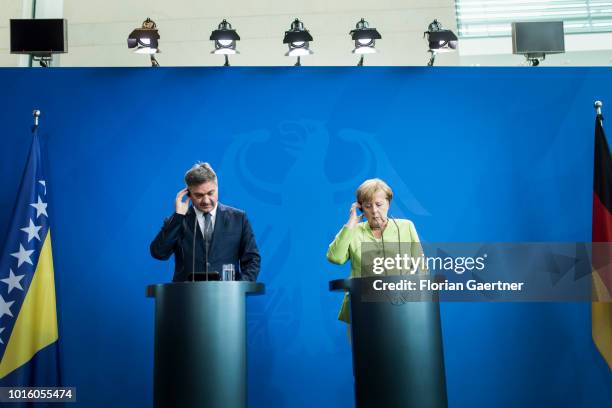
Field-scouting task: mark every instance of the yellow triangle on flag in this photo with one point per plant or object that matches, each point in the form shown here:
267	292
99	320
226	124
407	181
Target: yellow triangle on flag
36	324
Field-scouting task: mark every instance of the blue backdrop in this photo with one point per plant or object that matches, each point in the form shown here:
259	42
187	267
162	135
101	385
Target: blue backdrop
496	154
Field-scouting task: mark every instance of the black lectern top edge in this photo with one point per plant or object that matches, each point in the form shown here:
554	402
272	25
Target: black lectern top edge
250	288
203	276
340	285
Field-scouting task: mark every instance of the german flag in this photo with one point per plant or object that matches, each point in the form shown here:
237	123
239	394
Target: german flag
601	310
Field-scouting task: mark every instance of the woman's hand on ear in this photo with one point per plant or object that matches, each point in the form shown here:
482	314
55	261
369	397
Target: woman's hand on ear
354	218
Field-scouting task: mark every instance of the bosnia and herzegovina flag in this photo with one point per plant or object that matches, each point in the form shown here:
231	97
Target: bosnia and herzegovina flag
28	318
601	309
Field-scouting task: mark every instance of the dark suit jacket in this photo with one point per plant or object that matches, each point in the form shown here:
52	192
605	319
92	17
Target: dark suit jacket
232	242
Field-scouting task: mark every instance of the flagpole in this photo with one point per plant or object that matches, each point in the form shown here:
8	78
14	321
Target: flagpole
36	115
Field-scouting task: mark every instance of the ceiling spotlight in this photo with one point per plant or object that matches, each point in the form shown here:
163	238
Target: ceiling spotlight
145	40
298	40
225	40
439	40
365	38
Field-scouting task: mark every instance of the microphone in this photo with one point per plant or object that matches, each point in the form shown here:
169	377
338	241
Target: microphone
399	241
410	243
195	224
398	231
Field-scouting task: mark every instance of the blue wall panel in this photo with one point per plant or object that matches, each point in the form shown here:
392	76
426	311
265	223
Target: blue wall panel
498	155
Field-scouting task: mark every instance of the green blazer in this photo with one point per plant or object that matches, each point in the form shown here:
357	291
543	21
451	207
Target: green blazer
347	245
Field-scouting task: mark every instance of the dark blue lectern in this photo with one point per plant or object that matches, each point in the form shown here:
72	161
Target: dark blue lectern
397	347
200	343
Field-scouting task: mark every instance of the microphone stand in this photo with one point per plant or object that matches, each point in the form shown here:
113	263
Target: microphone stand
195	224
206	245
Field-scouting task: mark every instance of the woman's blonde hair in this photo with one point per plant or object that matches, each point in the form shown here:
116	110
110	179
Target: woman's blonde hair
368	188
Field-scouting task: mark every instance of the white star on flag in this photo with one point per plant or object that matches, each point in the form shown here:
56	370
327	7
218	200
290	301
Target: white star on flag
13	281
23	256
32	231
41	208
1	330
44	184
5	307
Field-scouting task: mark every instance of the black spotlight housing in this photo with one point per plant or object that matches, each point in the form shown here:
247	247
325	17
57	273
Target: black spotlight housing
225	38
439	40
298	39
365	39
364	33
297	33
145	40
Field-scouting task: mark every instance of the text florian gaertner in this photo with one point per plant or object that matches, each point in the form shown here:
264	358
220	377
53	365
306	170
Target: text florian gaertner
409	265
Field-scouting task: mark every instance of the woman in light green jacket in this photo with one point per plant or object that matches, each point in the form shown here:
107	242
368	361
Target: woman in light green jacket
373	199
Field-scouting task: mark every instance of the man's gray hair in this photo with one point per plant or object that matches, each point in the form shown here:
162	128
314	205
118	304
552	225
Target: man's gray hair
200	173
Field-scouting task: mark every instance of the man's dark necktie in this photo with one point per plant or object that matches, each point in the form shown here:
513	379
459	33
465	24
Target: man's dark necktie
207	229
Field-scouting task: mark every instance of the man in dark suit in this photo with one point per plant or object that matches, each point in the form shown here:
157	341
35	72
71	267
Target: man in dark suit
223	235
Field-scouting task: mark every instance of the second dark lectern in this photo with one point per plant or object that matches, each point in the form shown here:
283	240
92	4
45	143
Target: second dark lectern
397	348
200	343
